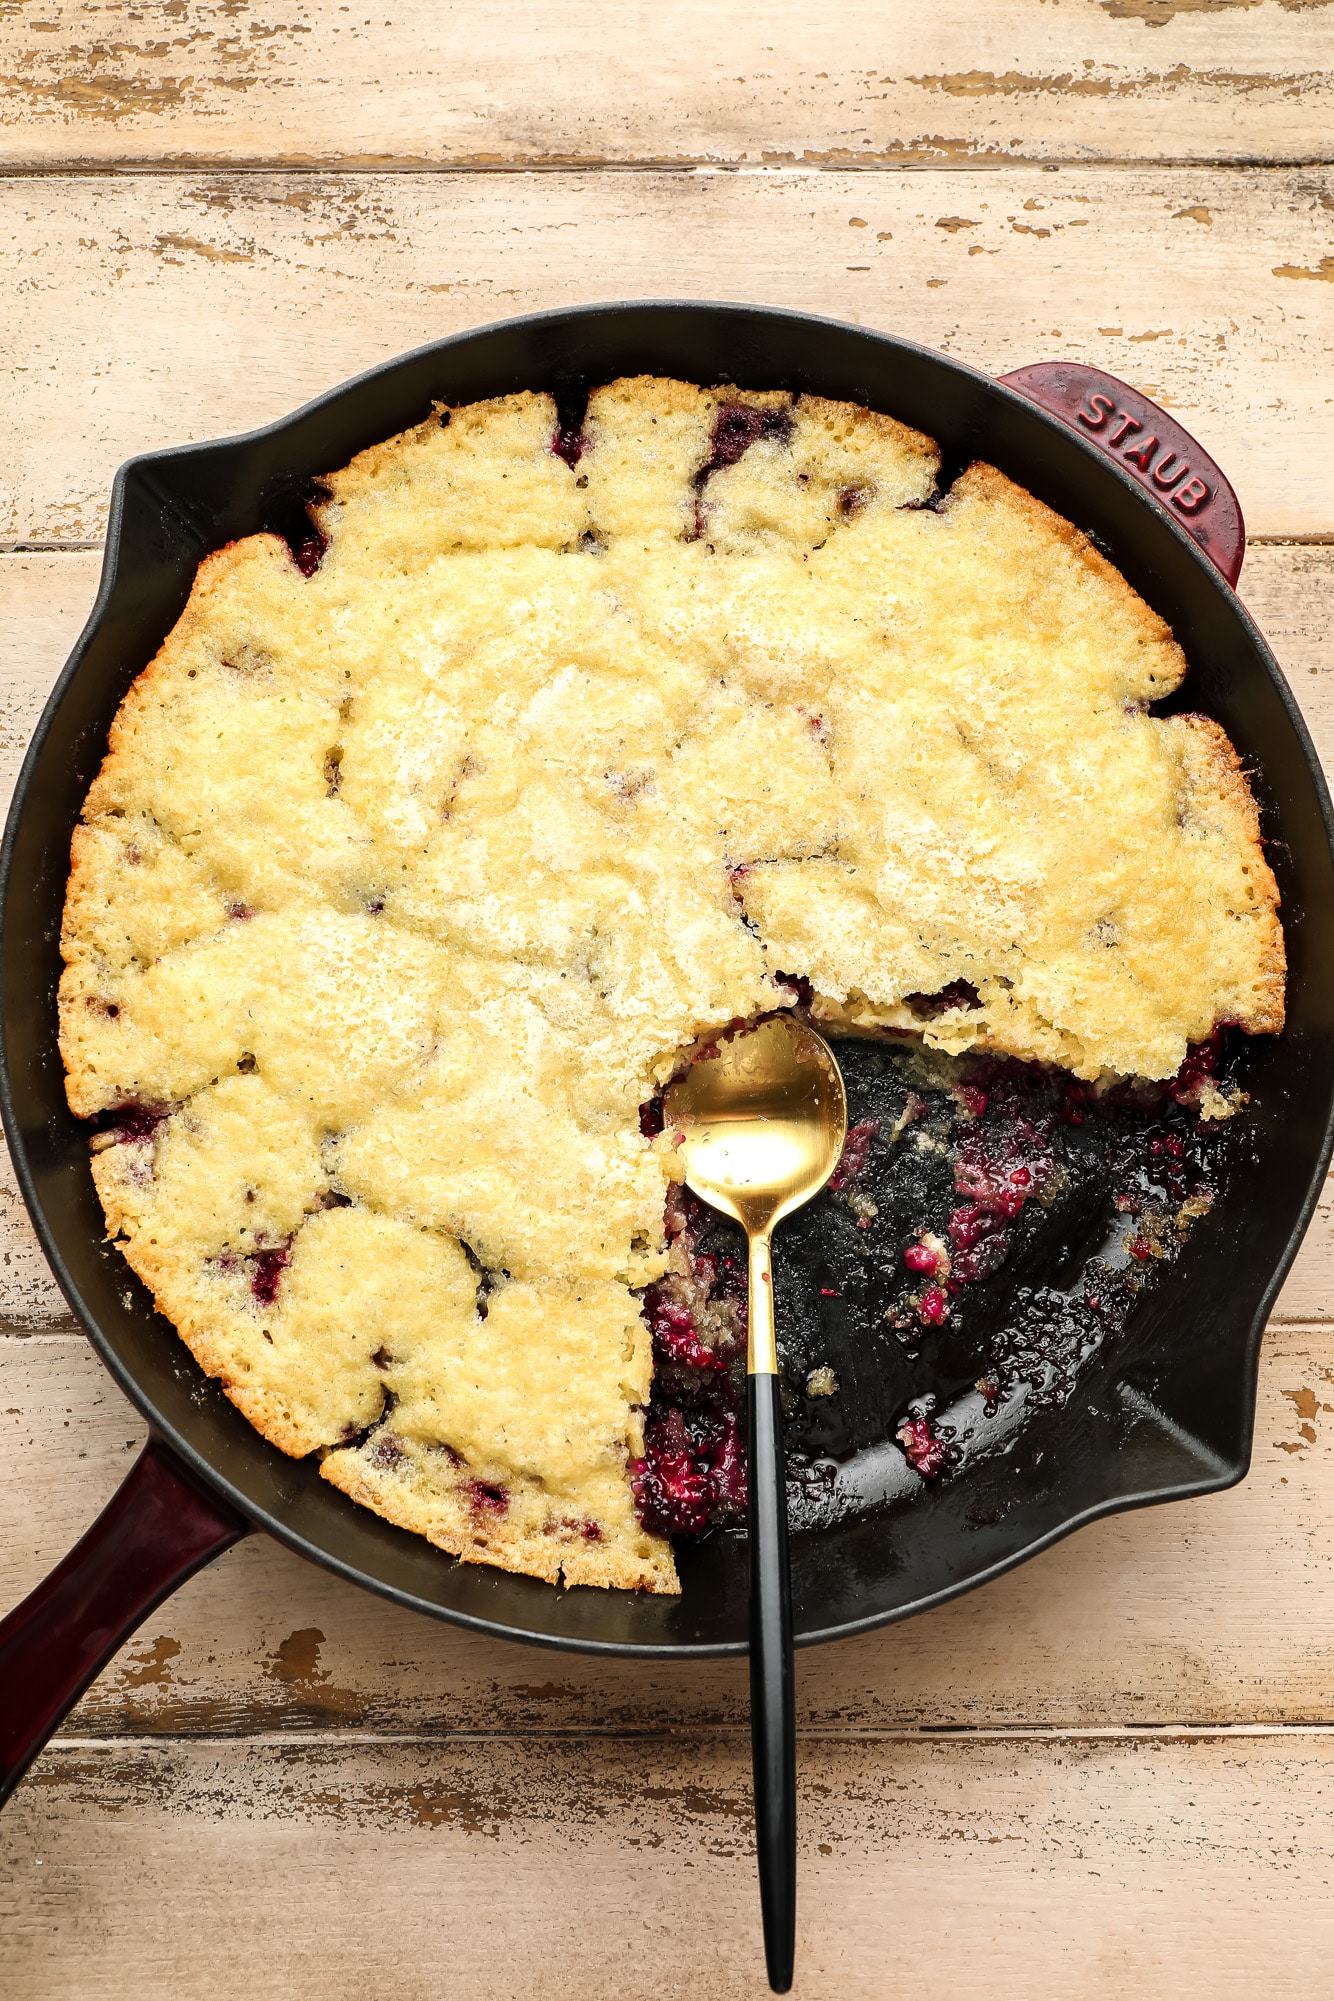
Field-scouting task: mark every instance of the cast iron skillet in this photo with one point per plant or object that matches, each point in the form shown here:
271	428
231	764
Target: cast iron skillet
1165	1414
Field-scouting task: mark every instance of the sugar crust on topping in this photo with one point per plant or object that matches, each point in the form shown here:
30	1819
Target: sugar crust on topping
405	883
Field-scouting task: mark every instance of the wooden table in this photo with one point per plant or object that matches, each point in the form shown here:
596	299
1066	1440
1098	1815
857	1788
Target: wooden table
1109	1775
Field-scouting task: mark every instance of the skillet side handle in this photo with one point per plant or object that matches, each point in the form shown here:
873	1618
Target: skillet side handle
157	1530
1148	444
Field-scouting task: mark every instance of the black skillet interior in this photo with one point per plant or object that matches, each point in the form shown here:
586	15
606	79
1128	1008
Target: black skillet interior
1167	1413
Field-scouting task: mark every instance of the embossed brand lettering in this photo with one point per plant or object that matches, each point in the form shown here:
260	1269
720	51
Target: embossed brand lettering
1169	470
1141	453
1125	425
1099	409
1191	497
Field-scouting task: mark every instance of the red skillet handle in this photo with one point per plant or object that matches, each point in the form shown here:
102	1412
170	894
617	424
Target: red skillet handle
153	1534
1153	448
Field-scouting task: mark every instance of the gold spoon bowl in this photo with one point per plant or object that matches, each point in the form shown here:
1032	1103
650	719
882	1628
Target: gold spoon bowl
762	1116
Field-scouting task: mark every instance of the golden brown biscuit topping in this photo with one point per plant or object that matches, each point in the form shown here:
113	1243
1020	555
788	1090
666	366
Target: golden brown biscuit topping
405	882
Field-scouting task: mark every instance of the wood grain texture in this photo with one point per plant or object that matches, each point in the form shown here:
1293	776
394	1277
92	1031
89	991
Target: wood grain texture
622	1871
1145	1619
284	1788
147	310
418	81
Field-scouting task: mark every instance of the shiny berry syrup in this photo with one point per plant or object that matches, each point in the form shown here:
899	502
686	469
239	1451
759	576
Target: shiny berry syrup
990	1227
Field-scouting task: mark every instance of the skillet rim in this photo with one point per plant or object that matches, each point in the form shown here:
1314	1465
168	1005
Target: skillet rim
1229	1471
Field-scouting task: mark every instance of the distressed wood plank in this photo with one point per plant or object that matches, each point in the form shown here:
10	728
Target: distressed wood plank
1151	1618
87	81
146	310
980	1870
621	1864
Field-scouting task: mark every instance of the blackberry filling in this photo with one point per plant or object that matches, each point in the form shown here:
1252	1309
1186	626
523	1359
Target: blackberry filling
266	1271
736	427
569	442
929	1007
128	1123
487	1500
990	1226
287	505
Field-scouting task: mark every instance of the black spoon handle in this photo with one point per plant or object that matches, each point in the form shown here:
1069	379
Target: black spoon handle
773	1735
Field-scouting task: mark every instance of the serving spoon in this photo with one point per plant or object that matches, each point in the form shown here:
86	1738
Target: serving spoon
762	1115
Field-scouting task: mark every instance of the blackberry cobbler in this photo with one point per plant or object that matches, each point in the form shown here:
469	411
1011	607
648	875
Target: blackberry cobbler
447	822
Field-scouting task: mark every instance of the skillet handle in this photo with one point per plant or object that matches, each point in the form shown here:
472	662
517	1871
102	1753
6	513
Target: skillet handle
157	1530
1148	444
